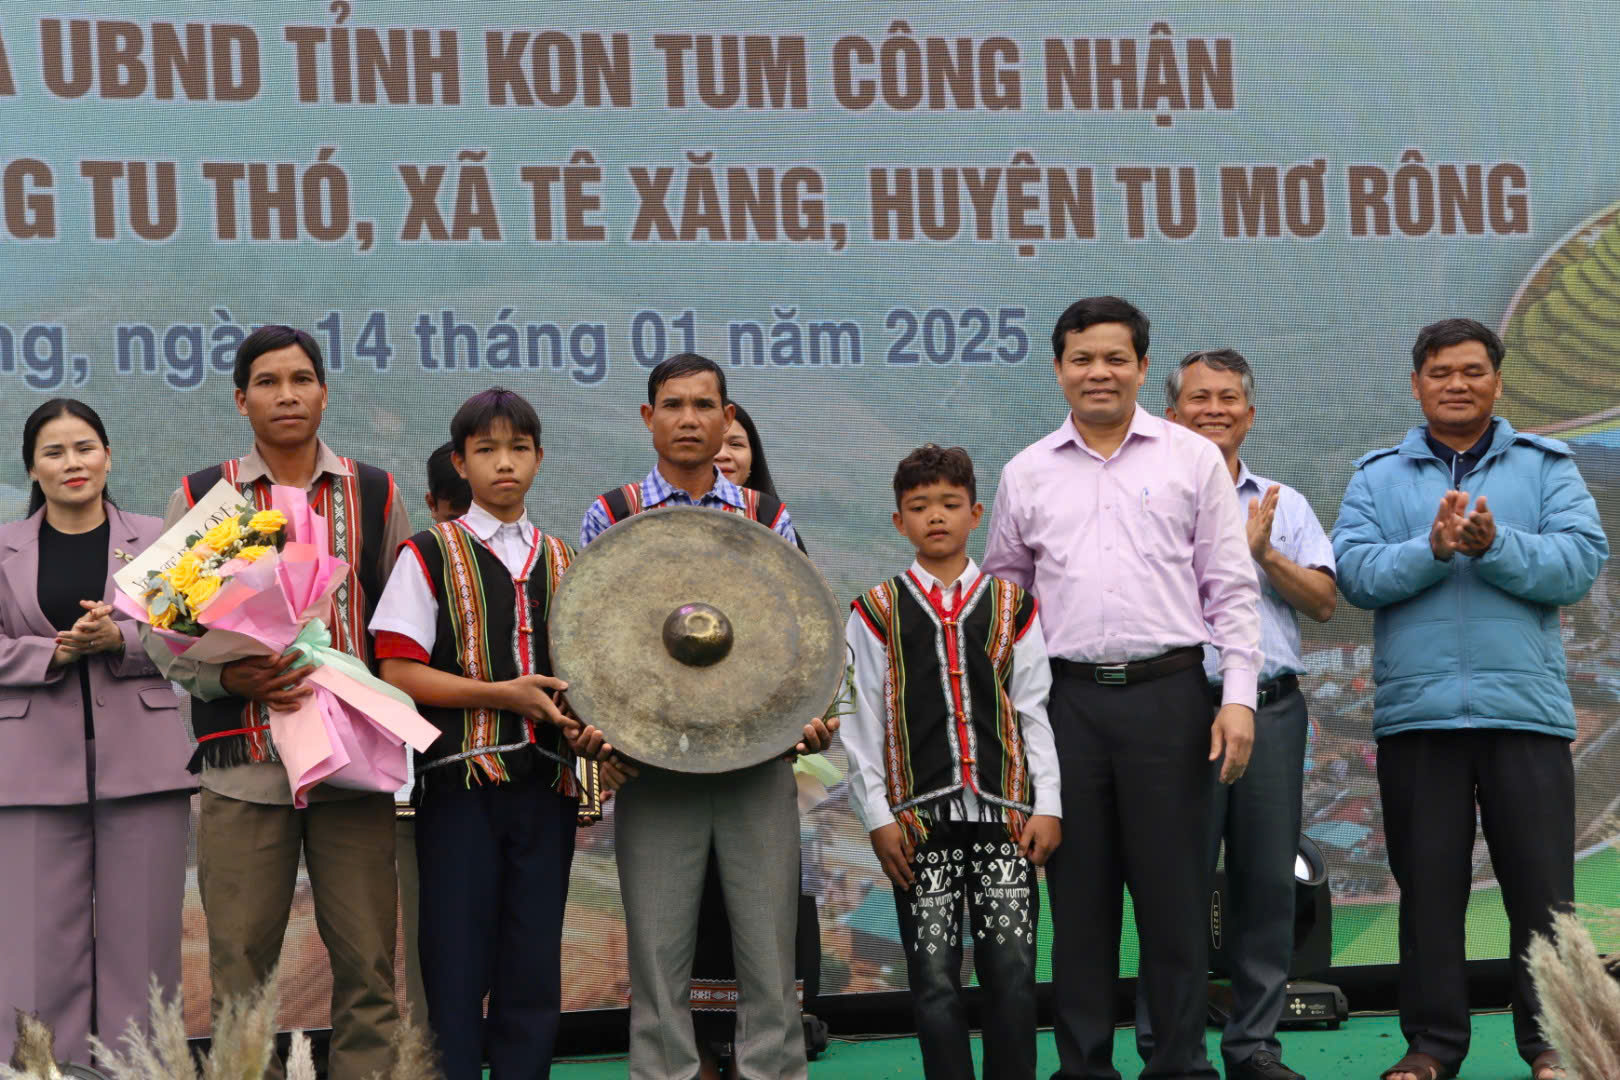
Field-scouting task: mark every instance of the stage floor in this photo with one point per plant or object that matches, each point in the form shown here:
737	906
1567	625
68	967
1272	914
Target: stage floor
1360	1050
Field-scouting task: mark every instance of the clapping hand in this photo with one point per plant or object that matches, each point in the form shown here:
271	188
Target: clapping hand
94	632
1445	535
1478	531
1262	514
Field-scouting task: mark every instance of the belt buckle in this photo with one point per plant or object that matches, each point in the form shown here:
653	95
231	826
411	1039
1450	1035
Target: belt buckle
1110	674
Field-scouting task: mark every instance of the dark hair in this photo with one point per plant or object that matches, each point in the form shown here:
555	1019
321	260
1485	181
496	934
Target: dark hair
1101	309
1215	360
680	366
270	338
444	483
759	473
479	414
52	410
1448	332
930	464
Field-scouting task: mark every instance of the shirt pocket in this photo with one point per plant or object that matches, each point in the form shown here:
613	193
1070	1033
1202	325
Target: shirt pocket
1162	521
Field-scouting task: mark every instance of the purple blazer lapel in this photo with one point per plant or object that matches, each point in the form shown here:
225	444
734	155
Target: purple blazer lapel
123	539
22	574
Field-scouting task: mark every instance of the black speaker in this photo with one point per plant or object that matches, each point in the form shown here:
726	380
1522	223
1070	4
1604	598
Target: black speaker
1313	916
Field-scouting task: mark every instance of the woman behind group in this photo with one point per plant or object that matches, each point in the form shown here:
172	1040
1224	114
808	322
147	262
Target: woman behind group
94	793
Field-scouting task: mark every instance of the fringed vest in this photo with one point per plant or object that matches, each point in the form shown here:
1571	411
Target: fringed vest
234	731
491	628
949	720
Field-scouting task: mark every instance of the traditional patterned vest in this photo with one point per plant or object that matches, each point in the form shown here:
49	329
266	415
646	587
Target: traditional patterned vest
760	506
232	730
492	627
949	721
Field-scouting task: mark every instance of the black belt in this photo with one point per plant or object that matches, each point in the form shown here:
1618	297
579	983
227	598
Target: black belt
1276	690
1135	671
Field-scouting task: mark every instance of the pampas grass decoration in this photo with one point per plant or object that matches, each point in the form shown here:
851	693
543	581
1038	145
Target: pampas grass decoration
244	1039
300	1058
244	1035
414	1058
1580	1001
161	1054
34	1056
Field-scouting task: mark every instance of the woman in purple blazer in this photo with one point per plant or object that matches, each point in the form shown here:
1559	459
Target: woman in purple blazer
94	793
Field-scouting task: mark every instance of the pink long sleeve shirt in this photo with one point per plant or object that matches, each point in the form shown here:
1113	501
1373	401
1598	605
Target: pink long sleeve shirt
1133	555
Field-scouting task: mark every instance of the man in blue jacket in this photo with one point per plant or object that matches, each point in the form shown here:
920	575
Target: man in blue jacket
1465	540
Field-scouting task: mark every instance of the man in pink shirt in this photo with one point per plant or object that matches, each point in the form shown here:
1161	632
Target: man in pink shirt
1127	530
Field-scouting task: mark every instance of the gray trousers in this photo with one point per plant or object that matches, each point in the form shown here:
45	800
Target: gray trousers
664	825
81	962
1258	817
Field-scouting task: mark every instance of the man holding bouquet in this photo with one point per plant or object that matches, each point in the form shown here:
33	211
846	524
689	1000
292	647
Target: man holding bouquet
250	835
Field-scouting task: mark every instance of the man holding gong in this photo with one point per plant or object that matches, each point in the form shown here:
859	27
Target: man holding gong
668	820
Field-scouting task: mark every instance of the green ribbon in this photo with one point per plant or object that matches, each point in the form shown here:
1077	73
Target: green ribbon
313	647
817	767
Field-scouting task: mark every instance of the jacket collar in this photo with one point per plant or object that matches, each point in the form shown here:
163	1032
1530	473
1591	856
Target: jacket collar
1503	435
121	531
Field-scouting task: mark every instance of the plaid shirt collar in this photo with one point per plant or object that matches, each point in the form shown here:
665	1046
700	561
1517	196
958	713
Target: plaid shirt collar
656	491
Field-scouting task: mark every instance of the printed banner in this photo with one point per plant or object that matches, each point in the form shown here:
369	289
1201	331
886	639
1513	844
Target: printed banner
870	215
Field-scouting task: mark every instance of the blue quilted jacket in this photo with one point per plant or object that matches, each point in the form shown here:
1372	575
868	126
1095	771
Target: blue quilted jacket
1470	642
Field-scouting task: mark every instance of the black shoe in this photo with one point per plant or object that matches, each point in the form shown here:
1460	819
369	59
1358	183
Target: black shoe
1263	1065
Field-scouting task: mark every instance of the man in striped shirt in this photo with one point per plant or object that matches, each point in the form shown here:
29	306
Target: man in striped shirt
666	821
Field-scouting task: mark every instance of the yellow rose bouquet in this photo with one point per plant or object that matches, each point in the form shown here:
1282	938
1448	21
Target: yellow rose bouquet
176	597
230	581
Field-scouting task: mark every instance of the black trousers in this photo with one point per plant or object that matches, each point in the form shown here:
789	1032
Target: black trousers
1258	818
975	867
1430	782
1136	809
493	866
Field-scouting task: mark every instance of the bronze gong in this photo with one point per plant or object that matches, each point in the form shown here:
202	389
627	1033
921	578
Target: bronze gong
696	640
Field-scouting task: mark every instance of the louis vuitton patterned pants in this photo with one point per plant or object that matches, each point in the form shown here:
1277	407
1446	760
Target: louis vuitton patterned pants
971	879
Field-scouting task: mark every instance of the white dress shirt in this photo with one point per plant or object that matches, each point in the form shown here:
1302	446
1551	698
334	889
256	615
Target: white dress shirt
409	606
863	734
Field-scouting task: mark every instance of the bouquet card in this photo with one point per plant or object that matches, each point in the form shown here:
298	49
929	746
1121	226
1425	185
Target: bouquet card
221	503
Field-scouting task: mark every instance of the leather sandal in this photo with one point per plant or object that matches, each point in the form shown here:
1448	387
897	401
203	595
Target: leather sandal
1548	1066
1422	1066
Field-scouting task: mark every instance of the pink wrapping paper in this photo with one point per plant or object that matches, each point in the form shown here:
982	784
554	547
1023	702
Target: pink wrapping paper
346	733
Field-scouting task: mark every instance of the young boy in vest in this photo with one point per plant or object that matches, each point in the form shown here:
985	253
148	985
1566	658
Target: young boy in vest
461	627
953	769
